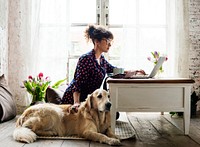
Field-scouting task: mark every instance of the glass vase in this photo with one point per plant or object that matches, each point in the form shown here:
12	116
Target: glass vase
35	99
159	74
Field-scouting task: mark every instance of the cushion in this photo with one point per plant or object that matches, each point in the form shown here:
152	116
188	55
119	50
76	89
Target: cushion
1	112
55	95
7	103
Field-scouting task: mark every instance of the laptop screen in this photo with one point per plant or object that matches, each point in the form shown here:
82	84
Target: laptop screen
157	67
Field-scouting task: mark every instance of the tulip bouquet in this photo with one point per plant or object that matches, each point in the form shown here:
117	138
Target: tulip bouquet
154	59
36	86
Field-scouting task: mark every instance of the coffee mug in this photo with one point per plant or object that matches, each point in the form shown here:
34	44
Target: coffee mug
118	71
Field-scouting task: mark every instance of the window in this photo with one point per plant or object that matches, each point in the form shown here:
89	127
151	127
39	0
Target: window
139	27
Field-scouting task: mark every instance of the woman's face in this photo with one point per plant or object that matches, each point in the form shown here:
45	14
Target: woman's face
105	44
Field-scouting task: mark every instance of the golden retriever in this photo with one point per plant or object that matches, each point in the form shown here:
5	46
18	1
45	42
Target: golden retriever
92	121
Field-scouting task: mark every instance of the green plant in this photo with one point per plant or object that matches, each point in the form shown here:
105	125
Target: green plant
37	86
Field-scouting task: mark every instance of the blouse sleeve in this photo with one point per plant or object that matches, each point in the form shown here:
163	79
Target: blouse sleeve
109	67
81	73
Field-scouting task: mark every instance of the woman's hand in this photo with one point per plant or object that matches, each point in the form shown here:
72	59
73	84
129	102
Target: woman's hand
76	104
130	73
140	72
75	107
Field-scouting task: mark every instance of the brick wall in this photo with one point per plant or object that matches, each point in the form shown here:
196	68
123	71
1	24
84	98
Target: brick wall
194	20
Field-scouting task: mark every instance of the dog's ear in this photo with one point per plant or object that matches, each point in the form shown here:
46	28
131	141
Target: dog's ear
89	102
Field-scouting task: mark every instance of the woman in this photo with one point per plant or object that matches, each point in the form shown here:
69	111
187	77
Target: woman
91	67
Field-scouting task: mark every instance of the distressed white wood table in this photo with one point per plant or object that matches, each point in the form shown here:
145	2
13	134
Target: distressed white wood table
151	95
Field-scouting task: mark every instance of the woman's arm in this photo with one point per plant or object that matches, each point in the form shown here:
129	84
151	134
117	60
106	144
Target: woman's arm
109	67
76	96
81	75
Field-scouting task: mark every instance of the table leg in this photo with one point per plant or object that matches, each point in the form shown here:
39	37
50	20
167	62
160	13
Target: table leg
113	97
186	119
113	120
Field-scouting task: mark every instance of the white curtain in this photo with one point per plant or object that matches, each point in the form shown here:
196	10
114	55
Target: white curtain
182	38
35	45
49	38
34	36
178	38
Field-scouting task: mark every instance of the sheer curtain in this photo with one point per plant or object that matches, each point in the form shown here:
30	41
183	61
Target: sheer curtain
174	30
34	36
50	38
182	38
178	38
35	43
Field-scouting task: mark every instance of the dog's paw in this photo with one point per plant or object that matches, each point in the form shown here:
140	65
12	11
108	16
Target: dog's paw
116	137
113	141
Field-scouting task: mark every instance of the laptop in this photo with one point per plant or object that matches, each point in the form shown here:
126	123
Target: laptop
153	72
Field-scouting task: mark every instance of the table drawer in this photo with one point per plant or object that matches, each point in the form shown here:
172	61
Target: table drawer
150	97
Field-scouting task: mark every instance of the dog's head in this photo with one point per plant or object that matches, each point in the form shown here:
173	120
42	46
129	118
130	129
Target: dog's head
99	100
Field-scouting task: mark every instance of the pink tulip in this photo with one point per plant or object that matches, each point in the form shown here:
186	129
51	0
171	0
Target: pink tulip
47	78
30	77
149	58
40	75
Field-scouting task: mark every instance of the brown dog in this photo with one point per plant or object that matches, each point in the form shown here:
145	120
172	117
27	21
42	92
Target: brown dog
92	121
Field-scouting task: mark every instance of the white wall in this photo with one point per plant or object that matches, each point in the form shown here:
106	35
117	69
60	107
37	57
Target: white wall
14	29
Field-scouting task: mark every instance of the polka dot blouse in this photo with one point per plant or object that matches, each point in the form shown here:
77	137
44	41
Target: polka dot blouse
89	75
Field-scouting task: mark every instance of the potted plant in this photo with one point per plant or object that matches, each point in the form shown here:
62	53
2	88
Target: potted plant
36	87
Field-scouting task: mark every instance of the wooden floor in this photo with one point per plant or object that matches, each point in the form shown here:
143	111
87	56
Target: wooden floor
151	129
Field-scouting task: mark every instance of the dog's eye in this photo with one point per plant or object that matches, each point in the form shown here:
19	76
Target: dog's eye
99	96
108	96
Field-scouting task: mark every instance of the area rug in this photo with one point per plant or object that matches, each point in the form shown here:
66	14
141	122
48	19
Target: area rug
122	129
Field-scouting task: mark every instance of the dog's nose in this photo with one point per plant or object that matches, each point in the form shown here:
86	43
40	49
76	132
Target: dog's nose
108	105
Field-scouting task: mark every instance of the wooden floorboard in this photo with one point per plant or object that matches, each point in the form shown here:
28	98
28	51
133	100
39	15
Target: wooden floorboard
76	143
45	143
155	130
194	133
151	129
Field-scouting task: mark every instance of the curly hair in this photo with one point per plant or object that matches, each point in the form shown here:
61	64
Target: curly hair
97	32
